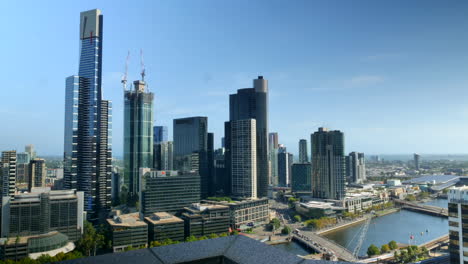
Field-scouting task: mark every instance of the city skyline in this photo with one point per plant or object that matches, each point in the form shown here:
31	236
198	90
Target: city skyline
397	71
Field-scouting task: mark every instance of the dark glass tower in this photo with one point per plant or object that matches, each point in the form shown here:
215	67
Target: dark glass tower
138	134
88	152
191	148
328	164
252	103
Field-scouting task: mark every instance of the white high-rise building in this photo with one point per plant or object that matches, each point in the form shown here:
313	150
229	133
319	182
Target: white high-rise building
244	158
458	217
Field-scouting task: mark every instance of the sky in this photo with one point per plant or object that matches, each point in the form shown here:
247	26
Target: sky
392	75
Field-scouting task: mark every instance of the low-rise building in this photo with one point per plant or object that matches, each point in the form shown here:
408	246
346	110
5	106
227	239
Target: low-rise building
246	213
318	209
128	230
163	226
52	243
206	219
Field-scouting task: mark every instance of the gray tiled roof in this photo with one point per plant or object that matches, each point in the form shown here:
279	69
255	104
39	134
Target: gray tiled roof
238	249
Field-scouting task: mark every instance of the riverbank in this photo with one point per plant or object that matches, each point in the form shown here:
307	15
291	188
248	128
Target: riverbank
357	221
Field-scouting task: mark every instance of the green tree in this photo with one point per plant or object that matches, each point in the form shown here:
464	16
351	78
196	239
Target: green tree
275	223
385	248
90	241
373	250
298	218
393	245
286	230
410	198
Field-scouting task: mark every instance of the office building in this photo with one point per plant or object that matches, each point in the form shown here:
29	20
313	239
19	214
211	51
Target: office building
251	103
8	172
116	183
37	172
167	191
222	181
128	230
290	163
328	164
160	134
163	155
246	213
458	217
42	212
273	157
205	219
191	147
283	167
22	167
356	167
138	134
243	158
417	159
210	165
301	177
30	150
163	226
87	136
303	157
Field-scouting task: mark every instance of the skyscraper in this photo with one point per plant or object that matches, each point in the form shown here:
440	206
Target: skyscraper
191	146
8	172
163	158
30	149
457	208
244	159
87	144
301	177
283	166
328	167
303	157
417	159
160	134
273	157
138	134
356	168
37	172
22	167
252	103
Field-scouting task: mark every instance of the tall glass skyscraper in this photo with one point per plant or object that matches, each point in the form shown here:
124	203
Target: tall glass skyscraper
246	104
138	134
87	142
328	164
303	157
160	134
191	147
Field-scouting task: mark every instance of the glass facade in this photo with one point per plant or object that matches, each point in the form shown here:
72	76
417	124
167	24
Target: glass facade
301	177
87	145
138	134
160	134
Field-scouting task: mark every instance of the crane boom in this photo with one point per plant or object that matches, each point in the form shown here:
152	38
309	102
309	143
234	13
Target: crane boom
124	77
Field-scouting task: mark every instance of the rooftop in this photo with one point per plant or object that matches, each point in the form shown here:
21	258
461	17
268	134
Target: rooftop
232	249
129	220
163	218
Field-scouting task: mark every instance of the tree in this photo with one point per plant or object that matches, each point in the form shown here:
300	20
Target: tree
410	198
90	241
393	245
275	223
298	218
373	250
286	230
385	248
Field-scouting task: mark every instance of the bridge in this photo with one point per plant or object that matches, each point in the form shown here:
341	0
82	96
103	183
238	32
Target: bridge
422	208
436	242
323	245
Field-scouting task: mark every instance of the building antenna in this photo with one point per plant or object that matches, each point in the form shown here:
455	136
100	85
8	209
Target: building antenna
142	66
124	77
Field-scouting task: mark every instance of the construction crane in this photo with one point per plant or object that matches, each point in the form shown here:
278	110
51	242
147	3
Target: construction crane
362	235
142	66
124	77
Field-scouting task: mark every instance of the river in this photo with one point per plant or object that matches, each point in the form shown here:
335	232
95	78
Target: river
294	248
397	226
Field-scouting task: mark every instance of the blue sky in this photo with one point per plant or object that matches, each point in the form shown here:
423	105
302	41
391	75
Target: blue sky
392	75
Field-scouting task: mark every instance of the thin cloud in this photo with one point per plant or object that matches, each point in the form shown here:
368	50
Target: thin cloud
364	80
